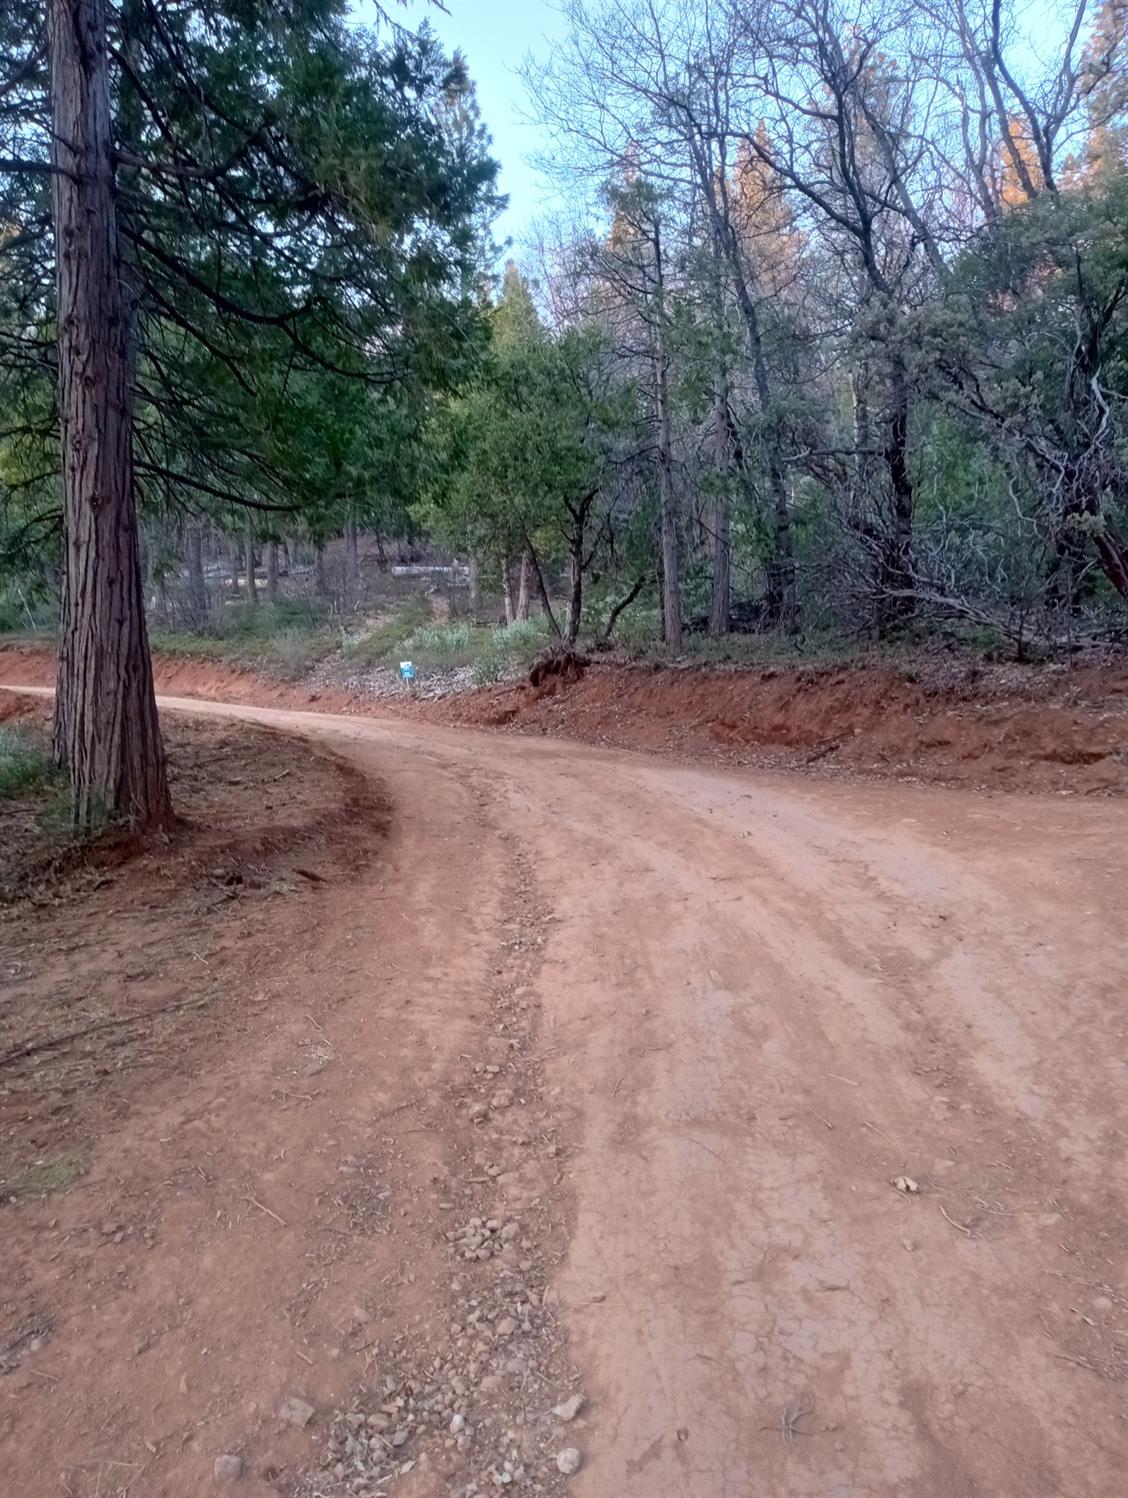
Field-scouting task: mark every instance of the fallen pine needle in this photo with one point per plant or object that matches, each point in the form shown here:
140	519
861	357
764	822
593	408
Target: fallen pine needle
958	1225
256	1203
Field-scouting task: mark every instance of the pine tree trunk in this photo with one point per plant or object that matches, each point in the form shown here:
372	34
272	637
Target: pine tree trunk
475	585
272	571
106	729
720	537
524	581
352	567
320	581
197	586
249	564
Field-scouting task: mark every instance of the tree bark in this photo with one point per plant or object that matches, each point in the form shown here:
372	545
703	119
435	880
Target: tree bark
671	589
107	733
720	527
249	563
542	589
576	585
668	520
475	584
272	571
624	604
523	580
782	600
507	589
895	600
352	567
197	584
320	581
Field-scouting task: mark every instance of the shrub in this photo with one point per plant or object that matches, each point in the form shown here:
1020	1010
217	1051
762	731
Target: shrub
25	763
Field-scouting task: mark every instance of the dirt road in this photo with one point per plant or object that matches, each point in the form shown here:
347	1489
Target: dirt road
762	1000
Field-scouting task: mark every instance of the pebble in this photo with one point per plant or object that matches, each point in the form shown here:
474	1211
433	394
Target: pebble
570	1408
457	1424
296	1412
569	1460
228	1468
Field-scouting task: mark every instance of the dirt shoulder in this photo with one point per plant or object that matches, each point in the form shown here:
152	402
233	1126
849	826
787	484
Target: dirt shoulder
274	1156
945	720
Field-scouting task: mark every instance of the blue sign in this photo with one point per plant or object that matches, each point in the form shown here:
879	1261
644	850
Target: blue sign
407	671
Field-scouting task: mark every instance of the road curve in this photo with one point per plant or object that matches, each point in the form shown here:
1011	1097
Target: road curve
764	1001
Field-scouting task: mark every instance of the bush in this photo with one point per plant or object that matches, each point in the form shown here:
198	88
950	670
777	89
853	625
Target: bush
442	642
25	763
509	649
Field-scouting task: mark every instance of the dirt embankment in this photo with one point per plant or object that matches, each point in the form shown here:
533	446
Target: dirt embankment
1049	728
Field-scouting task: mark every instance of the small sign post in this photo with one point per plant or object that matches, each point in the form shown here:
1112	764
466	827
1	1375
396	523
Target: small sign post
407	675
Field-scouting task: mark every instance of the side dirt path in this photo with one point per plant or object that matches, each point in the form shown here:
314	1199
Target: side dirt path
810	1139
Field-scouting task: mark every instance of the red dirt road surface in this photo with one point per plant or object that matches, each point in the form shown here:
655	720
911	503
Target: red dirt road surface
834	1080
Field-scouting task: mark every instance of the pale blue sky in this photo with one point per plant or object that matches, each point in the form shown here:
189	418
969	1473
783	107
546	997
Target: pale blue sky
495	36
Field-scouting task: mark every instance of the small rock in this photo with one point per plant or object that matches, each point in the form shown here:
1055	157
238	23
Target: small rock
502	1099
296	1412
569	1460
457	1424
570	1408
228	1468
506	1326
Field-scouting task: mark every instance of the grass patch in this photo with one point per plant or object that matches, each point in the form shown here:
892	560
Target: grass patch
283	636
508	650
380	645
26	765
41	1179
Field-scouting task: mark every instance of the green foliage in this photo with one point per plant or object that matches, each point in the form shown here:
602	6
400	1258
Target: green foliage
305	210
529	440
26	765
442	643
285	638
